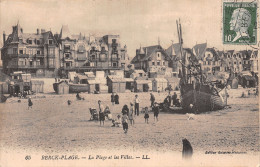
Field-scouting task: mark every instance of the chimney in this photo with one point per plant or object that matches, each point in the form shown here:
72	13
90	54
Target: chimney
42	30
37	31
3	38
21	30
14	28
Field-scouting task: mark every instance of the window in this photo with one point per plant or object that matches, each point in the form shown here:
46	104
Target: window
31	63
209	62
93	57
30	52
153	63
114	64
38	52
67	64
158	55
67	47
20	51
38	42
51	62
51	51
214	63
140	74
38	62
163	63
67	56
235	62
113	40
30	41
240	62
50	42
14	50
158	63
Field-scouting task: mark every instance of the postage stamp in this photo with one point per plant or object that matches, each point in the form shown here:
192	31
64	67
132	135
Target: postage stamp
240	23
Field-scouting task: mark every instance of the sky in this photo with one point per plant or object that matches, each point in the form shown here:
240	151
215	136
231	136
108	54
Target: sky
138	22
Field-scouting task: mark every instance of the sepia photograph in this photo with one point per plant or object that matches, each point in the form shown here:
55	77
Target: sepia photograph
129	83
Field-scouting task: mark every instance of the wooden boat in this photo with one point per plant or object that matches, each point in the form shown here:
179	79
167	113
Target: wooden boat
77	88
73	88
197	93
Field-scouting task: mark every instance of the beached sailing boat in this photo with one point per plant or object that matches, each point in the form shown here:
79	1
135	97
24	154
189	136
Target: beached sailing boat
197	93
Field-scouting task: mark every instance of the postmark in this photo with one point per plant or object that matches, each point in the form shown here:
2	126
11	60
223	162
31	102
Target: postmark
240	23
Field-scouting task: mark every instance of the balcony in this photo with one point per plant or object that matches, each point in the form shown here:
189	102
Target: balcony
26	66
115	58
39	55
18	55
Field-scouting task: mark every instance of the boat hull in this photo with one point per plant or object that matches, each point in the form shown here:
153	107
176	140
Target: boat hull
202	101
77	88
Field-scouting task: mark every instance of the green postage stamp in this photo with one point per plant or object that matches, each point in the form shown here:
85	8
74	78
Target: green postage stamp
240	23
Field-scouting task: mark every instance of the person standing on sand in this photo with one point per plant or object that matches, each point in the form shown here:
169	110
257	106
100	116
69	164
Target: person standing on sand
136	105
146	115
152	99
30	103
174	98
113	98
101	112
131	114
125	122
116	99
125	109
156	111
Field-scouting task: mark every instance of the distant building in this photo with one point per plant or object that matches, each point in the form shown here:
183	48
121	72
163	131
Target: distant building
82	54
210	61
35	53
151	59
46	55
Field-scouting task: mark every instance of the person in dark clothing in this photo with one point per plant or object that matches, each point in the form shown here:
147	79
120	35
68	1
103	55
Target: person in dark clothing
113	99
136	105
125	109
174	98
187	150
152	99
30	103
156	111
116	99
169	100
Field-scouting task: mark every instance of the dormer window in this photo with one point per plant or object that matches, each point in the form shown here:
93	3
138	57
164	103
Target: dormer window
30	41
50	42
20	51
38	52
38	42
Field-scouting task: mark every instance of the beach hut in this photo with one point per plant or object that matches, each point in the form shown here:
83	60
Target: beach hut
116	84
4	88
174	82
233	82
72	75
248	81
37	86
93	84
90	75
129	83
80	79
142	85
159	84
63	88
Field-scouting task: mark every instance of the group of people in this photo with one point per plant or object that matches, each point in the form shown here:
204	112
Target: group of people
128	113
114	99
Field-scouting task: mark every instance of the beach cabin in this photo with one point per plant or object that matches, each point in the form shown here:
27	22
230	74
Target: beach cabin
248	81
80	79
174	82
37	86
72	75
4	88
90	75
116	84
159	84
142	85
232	82
129	84
63	88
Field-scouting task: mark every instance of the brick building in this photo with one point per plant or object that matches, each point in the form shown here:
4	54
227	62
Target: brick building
35	53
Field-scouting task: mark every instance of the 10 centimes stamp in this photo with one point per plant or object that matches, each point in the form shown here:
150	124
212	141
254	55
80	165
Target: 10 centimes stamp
240	23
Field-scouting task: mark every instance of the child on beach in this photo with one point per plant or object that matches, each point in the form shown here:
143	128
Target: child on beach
146	115
156	111
125	122
131	114
30	103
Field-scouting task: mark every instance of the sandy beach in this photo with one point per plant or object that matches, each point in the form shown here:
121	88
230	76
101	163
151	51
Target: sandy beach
52	126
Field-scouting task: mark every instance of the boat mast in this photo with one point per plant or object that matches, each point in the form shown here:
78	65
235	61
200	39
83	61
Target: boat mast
183	59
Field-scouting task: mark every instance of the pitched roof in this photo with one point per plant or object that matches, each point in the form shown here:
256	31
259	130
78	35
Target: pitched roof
199	50
214	52
65	32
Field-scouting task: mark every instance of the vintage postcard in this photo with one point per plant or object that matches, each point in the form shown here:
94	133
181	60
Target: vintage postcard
129	83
